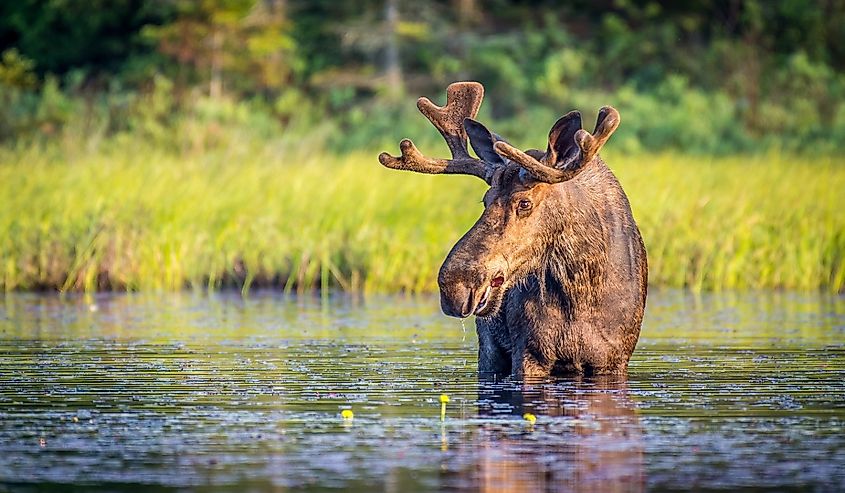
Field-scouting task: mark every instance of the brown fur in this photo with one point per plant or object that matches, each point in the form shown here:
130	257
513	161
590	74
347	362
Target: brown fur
575	279
571	263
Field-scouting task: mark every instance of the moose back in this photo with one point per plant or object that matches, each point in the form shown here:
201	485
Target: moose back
555	268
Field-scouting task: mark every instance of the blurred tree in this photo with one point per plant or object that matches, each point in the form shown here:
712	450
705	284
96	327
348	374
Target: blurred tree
16	71
351	60
242	44
393	69
94	35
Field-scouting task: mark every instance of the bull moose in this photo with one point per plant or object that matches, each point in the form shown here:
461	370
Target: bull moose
555	268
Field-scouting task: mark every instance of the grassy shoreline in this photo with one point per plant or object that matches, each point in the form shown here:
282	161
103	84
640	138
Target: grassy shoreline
144	219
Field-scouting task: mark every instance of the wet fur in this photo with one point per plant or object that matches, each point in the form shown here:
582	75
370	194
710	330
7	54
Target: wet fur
555	268
579	307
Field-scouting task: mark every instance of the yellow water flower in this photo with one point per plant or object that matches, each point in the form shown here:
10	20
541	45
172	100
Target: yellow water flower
347	414
530	418
443	400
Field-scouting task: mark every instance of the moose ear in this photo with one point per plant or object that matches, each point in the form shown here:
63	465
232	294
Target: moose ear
562	148
482	141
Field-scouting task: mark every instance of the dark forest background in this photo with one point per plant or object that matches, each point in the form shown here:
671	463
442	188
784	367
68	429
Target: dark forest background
702	76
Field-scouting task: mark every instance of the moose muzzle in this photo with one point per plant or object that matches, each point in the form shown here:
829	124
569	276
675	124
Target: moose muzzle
458	298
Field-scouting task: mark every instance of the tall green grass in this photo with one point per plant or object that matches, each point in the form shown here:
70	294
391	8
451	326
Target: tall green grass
137	218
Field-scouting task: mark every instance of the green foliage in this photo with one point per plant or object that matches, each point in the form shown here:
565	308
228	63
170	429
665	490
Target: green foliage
242	44
247	213
107	109
702	77
16	71
70	34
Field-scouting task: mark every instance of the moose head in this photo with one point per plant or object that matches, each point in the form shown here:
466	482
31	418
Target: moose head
525	208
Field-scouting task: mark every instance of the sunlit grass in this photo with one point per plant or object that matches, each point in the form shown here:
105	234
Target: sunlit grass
142	219
742	222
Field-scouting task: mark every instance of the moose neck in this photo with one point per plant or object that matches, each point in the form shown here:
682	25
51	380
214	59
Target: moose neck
575	266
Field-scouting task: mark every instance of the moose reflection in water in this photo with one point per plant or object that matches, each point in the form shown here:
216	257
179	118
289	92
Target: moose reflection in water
587	437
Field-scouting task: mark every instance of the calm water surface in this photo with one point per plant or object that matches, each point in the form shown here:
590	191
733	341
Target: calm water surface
189	392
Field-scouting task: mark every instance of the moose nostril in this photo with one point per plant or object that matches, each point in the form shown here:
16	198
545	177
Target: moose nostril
466	308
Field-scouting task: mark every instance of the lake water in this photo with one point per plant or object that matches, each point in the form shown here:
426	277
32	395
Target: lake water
194	392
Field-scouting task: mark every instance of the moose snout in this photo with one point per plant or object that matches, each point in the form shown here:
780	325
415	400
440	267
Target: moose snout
457	300
458	289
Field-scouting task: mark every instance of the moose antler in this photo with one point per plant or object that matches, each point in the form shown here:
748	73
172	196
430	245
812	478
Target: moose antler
544	169
606	124
462	101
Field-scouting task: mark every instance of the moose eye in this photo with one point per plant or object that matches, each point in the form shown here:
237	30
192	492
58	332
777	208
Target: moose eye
524	205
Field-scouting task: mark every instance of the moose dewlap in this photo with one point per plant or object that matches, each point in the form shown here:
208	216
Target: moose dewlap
555	268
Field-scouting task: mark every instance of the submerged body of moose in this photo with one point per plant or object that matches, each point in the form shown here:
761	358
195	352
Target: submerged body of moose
555	268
